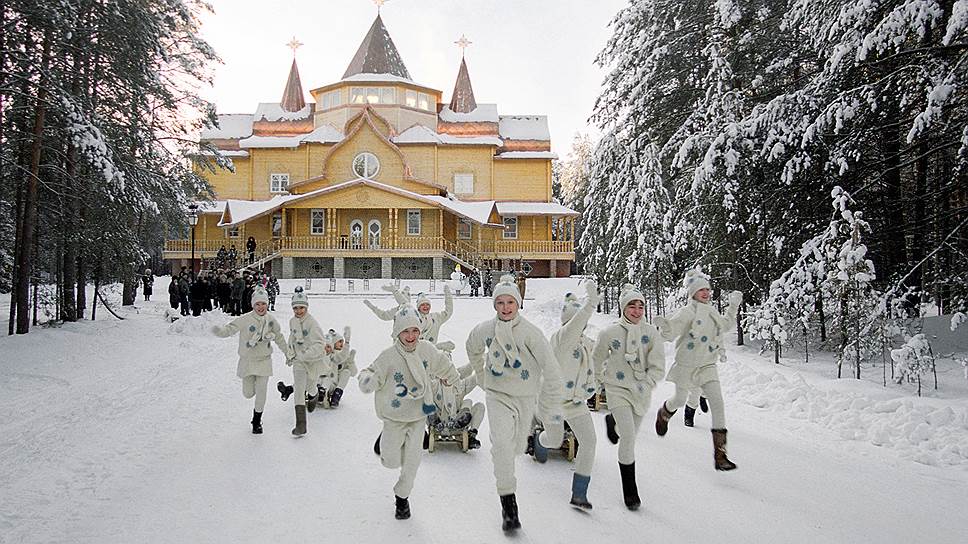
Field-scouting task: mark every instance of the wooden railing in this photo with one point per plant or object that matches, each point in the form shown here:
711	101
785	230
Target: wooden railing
208	246
468	250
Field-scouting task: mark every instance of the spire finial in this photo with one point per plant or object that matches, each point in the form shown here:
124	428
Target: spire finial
294	44
463	43
379	4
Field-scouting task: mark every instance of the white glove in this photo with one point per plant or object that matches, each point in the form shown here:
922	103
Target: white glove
735	298
346	333
216	330
446	346
389	288
368	303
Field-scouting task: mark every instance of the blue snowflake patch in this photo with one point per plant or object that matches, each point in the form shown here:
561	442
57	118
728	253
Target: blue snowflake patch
690	345
576	354
645	338
570	384
620	375
398	377
616	343
517	364
525	374
395	403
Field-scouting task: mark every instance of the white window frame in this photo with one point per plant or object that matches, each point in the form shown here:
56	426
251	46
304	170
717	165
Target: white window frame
418	215
332	99
312	221
278	183
461	179
509	233
232	232
470	229
388	95
411	99
358	95
374	241
423	101
366	155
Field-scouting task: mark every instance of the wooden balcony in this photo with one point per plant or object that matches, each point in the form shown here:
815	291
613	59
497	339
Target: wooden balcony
404	246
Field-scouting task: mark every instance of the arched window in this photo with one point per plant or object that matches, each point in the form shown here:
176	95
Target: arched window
366	165
373	234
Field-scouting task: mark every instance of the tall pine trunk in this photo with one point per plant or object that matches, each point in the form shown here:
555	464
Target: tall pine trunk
27	233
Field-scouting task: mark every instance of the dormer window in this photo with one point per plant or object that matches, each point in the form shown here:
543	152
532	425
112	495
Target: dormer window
373	95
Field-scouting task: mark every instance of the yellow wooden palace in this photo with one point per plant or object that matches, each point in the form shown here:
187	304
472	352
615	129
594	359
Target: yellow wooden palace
381	178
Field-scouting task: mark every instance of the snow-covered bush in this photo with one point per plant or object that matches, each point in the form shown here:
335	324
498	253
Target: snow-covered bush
913	359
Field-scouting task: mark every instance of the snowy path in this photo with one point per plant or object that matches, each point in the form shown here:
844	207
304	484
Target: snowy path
122	431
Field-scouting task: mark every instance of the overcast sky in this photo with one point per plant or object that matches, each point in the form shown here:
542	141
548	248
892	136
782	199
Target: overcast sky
527	56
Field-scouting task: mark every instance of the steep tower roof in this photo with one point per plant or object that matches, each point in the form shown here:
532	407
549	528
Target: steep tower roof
377	54
462	100
292	97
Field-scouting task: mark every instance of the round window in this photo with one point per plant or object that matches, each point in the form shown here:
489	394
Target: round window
366	165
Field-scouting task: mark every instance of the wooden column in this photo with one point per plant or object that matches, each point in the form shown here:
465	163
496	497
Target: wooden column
440	227
394	225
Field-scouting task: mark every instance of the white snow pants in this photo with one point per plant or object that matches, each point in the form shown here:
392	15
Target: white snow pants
302	384
477	413
510	420
401	446
714	395
693	400
343	378
584	431
627	424
255	386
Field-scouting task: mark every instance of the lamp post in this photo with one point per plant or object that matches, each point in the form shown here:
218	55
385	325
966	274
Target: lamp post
193	220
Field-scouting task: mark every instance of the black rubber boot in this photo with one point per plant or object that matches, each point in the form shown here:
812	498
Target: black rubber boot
334	397
464	419
426	442
403	508
662	418
610	429
376	445
688	416
284	391
311	403
703	405
472	442
629	490
509	513
256	422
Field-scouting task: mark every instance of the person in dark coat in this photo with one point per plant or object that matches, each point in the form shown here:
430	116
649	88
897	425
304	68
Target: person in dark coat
225	292
475	281
221	256
238	287
199	291
247	294
174	294
149	281
487	283
183	291
250	248
233	254
272	288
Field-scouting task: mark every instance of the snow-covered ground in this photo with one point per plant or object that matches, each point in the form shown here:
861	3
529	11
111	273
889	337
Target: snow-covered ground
136	430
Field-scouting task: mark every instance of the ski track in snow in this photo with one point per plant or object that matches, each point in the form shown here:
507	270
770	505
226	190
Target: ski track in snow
137	431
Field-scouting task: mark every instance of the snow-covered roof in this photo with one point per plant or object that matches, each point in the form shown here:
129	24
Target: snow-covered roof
225	153
390	78
209	206
533	208
524	127
230	126
241	211
484	113
323	134
271	141
527	155
419	134
272	111
479	212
